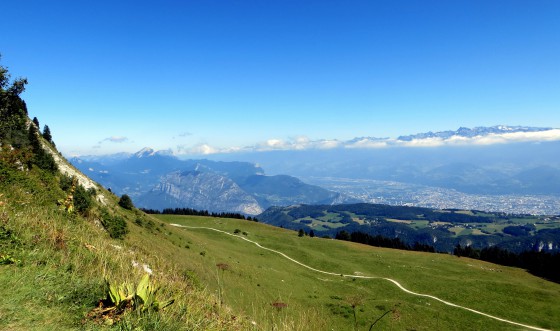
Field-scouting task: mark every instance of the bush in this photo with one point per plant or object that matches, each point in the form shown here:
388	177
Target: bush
115	225
126	202
82	200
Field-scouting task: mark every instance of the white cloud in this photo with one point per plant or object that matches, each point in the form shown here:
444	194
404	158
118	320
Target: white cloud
367	143
328	144
304	143
183	135
456	140
203	149
114	139
297	143
490	139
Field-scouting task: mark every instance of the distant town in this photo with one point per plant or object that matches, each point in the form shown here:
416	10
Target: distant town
402	194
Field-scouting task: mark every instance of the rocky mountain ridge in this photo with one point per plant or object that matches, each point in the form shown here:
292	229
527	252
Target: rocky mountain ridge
157	180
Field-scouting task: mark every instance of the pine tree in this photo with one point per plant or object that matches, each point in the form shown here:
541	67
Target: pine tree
47	134
13	111
41	158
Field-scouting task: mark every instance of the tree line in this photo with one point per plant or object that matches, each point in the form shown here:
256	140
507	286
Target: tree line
381	241
539	263
194	212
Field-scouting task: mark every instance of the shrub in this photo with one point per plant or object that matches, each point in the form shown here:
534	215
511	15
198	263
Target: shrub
115	225
82	200
126	202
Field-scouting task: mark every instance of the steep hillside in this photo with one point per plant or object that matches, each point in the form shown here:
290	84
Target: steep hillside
72	258
54	261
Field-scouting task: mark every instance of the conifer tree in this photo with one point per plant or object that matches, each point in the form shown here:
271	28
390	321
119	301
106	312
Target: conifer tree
41	158
47	134
13	111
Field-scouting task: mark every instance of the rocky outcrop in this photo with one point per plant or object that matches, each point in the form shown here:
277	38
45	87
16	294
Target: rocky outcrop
201	191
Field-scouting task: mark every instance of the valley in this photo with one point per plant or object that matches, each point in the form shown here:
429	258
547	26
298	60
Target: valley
406	194
442	229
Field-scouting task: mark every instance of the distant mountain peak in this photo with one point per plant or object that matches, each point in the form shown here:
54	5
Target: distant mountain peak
149	152
144	152
472	132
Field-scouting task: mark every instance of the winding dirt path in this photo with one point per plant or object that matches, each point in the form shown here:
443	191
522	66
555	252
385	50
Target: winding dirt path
366	277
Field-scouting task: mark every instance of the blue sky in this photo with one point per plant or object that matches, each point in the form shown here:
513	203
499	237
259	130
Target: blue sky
111	76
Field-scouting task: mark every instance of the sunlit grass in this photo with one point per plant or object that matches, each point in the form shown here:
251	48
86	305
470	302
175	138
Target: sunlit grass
259	277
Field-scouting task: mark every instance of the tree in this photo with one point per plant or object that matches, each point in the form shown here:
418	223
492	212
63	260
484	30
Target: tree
36	121
311	233
41	158
126	202
47	134
301	233
343	235
13	111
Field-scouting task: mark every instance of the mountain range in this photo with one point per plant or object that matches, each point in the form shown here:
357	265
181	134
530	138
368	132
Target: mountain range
524	171
158	180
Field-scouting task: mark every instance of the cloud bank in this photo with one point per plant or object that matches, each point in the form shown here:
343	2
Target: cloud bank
112	139
304	143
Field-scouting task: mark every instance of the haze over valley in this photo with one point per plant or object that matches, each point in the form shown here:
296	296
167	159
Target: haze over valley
520	176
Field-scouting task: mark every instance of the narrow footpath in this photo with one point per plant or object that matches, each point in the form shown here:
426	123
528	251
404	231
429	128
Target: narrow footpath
366	277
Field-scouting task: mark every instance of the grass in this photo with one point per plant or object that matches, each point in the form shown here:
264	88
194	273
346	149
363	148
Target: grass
62	260
258	278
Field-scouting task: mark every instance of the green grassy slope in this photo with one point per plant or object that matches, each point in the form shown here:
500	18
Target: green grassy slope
53	264
257	278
